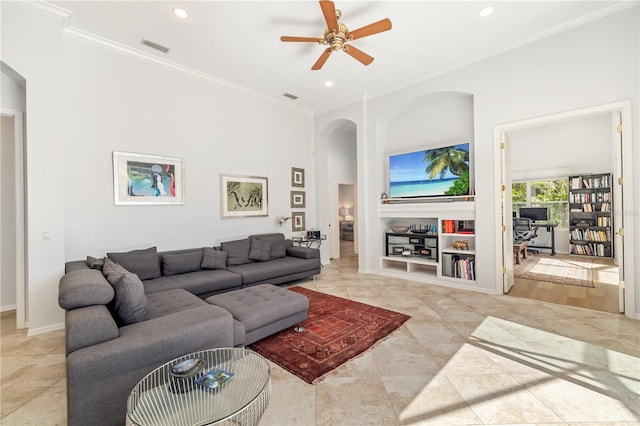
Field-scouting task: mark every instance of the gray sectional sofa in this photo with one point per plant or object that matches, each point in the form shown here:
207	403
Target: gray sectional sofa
129	313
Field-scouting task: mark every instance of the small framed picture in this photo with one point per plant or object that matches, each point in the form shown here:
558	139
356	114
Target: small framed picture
297	221
397	250
298	200
297	177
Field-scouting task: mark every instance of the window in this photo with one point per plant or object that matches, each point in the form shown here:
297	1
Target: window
552	194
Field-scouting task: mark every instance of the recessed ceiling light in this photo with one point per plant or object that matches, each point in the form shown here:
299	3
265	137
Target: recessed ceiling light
328	83
486	11
180	12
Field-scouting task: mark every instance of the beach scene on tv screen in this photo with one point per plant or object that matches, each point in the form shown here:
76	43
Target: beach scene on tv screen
427	173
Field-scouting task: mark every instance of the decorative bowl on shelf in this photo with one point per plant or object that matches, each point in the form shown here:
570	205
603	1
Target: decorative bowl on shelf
399	228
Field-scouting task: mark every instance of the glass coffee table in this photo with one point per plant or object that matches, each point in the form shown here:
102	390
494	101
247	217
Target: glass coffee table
162	399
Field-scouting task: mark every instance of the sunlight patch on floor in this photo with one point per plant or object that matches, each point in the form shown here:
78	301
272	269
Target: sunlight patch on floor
511	373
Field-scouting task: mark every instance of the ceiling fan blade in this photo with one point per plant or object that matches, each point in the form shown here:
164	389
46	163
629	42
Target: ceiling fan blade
358	54
329	12
367	30
294	38
322	59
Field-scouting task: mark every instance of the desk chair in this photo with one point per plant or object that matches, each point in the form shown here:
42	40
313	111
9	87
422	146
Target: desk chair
524	231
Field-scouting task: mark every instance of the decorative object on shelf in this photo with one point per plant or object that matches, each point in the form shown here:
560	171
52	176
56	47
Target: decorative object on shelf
297	223
461	245
420	229
147	179
298	199
283	220
406	252
297	177
399	228
243	196
385	198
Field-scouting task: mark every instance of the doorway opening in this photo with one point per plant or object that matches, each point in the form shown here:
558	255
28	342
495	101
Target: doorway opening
614	289
346	212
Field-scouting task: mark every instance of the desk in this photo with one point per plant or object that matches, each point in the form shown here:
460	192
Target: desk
240	400
550	227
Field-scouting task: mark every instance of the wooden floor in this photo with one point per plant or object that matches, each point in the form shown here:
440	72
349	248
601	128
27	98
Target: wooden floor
346	248
604	297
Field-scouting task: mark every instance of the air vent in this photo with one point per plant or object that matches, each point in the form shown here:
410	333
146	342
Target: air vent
290	96
155	45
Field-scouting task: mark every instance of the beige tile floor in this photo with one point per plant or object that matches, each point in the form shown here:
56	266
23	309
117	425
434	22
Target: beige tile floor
463	358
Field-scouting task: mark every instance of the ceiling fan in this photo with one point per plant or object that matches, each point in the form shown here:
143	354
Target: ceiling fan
337	35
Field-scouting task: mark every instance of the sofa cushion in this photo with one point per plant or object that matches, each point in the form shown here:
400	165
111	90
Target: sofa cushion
260	250
85	287
168	302
264	271
130	303
201	282
180	263
143	263
278	245
237	251
213	259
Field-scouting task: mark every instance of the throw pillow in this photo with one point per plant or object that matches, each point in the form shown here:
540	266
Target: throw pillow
278	248
214	259
143	263
260	250
112	271
130	303
94	263
180	263
237	251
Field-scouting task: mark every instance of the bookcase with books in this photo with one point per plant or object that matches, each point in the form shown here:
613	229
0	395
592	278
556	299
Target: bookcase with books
458	249
590	215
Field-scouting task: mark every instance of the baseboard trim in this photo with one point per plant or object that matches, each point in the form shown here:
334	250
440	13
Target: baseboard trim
6	308
43	330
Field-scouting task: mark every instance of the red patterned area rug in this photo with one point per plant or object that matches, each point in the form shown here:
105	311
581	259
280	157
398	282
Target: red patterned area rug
335	331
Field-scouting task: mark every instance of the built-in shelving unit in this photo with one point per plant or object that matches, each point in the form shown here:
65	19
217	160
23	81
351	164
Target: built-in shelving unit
458	249
442	262
590	217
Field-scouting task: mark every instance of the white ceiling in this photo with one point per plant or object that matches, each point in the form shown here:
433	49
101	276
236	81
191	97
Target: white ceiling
239	41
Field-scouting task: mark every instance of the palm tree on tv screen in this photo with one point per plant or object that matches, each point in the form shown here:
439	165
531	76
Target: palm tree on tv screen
450	158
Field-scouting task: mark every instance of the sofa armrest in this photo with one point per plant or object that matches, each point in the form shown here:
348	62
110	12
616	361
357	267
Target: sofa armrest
100	377
303	252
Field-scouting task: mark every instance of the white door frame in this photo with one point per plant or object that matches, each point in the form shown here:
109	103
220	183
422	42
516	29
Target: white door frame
20	190
624	108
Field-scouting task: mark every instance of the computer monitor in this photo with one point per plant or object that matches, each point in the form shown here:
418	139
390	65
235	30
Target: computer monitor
535	213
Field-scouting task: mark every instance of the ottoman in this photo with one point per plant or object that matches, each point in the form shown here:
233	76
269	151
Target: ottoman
263	309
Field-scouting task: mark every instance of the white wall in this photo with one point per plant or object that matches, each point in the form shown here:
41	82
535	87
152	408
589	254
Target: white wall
342	156
86	101
593	64
573	147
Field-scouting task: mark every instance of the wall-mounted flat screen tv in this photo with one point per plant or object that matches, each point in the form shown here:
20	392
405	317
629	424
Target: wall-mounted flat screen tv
434	172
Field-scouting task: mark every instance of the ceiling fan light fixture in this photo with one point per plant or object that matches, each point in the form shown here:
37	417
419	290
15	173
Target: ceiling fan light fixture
180	12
